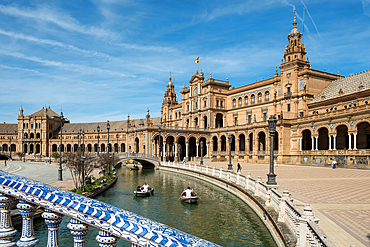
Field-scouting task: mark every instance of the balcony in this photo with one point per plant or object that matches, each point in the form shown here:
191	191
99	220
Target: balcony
288	95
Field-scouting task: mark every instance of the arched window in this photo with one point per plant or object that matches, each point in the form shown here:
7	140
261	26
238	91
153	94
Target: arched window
179	114
253	100
267	96
240	101
246	100
176	115
234	102
259	97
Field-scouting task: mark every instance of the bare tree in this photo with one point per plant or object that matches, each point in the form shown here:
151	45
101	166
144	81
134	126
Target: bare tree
80	167
107	161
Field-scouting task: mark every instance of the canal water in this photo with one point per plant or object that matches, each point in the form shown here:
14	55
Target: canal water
219	217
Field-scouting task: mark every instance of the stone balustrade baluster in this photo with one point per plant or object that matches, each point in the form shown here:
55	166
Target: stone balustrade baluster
52	220
106	240
7	230
78	231
28	236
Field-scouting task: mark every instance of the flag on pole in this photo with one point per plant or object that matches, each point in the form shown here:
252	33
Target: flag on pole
196	60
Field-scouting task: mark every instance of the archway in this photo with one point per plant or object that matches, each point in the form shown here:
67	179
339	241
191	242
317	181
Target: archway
102	148
192	147
306	140
32	136
25	148
323	139
261	141
251	142
54	148
75	148
219	120
123	147
89	148
170	149
241	143
232	143
204	152
38	135
181	147
116	148
363	135
215	144
31	148
137	145
37	149
69	147
223	144
342	137
205	123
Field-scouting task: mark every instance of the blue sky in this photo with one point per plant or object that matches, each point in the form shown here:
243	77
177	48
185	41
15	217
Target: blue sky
103	60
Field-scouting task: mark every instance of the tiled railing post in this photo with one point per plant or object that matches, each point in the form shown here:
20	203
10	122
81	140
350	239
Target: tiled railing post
28	236
52	220
302	240
106	240
282	206
7	230
78	231
257	185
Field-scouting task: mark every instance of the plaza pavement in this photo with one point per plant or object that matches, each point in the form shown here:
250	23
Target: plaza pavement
339	197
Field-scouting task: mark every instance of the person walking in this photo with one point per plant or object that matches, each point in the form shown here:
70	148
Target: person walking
5	162
239	168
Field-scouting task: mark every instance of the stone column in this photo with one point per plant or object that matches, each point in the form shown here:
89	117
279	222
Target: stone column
349	141
106	240
329	142
7	230
175	144
187	150
313	143
207	150
334	142
197	150
300	144
28	237
78	231
317	143
52	220
354	141
164	149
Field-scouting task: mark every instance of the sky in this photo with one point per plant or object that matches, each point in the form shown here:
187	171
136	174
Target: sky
102	60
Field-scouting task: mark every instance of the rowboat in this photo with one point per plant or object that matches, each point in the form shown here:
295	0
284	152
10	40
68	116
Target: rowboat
134	167
192	199
150	192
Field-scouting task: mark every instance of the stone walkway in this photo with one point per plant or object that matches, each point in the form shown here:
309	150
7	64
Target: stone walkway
339	197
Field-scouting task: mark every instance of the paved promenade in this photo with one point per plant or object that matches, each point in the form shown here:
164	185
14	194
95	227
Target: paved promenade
340	197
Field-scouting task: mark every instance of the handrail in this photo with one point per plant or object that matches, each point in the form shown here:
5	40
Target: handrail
113	222
303	225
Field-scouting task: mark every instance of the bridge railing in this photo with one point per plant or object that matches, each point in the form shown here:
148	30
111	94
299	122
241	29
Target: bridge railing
302	224
113	223
137	155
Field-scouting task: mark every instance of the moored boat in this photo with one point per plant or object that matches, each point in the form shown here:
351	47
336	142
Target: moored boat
135	167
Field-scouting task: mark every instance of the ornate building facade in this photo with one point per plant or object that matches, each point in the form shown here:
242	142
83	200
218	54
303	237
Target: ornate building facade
321	115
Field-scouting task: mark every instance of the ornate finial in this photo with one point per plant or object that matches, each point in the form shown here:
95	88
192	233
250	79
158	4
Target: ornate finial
295	20
170	75
276	72
147	111
210	75
128	117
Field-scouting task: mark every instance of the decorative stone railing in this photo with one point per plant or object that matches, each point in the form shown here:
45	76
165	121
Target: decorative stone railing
137	155
301	224
113	223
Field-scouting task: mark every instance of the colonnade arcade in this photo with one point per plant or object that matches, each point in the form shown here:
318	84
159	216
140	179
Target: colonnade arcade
344	136
90	147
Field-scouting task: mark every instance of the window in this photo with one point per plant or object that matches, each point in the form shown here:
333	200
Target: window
222	103
267	96
288	88
252	99
31	126
234	102
217	103
188	107
249	119
264	117
235	120
205	103
259	97
279	89
288	107
175	115
301	85
246	100
179	114
196	105
240	101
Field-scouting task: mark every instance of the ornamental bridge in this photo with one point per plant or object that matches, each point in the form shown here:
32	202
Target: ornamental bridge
146	160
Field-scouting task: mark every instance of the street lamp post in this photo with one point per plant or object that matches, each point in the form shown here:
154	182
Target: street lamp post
230	166
271	177
83	173
117	143
201	153
98	129
60	178
10	147
159	143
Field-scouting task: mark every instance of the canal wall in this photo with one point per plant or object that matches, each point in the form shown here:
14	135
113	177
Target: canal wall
288	225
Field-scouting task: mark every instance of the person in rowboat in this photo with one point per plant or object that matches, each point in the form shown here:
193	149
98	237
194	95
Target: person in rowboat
188	192
145	187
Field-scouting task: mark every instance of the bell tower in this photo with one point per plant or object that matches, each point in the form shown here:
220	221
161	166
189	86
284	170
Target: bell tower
295	51
170	95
